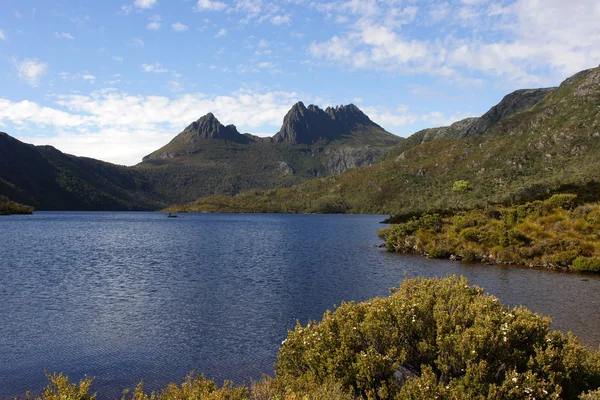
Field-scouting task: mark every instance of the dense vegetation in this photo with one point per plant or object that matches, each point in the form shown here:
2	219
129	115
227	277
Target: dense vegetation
557	233
431	339
546	148
10	207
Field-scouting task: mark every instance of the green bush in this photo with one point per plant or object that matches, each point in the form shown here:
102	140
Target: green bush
565	201
331	204
10	207
461	186
441	337
586	264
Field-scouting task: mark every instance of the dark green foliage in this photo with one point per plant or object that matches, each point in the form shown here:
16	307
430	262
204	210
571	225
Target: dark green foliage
10	207
540	233
587	264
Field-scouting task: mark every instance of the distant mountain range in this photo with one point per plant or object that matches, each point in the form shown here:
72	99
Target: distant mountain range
207	158
530	145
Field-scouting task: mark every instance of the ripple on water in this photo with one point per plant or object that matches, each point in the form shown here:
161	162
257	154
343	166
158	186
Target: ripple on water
128	297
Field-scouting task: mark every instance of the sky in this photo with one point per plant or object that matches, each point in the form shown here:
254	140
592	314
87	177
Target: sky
116	80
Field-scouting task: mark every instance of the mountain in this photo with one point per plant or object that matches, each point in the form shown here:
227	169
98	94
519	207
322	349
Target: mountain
209	158
533	143
206	158
46	178
310	125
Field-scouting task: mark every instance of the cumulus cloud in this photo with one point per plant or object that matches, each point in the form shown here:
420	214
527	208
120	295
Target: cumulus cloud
2	35
137	42
63	35
154	23
222	32
281	20
31	70
210	5
155	68
524	41
145	4
90	78
179	27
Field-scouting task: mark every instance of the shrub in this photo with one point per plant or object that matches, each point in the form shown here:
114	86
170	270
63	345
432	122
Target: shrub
586	264
565	201
461	186
331	204
565	258
59	388
438	337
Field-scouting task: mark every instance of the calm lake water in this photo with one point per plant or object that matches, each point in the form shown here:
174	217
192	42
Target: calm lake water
127	297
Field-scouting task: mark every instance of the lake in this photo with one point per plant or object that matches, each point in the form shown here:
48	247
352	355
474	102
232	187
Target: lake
127	297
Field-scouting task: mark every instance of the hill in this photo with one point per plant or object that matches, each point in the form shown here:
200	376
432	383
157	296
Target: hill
529	146
46	178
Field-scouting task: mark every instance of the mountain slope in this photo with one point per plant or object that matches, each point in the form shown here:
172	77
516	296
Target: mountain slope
551	142
48	179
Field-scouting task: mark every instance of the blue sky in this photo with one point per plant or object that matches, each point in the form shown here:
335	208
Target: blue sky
115	80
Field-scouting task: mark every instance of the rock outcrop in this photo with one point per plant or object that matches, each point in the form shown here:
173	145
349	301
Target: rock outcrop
510	104
209	127
309	125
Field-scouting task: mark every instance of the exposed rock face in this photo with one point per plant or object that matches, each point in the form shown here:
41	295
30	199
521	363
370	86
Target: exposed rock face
209	127
309	125
455	130
285	168
338	160
510	104
476	126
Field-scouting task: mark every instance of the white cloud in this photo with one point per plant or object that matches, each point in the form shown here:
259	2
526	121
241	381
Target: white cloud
155	68
179	27
17	14
101	123
210	5
526	41
154	23
137	42
145	4
31	71
281	20
265	65
2	36
222	32
125	10
63	35
90	78
263	43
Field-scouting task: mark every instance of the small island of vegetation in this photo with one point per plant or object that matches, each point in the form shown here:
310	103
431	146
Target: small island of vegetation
559	232
431	339
10	207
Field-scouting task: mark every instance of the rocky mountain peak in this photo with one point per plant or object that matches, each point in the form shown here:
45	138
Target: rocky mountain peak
209	127
308	125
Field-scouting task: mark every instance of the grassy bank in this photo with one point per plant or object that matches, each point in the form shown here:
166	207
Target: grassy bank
431	339
10	207
556	233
